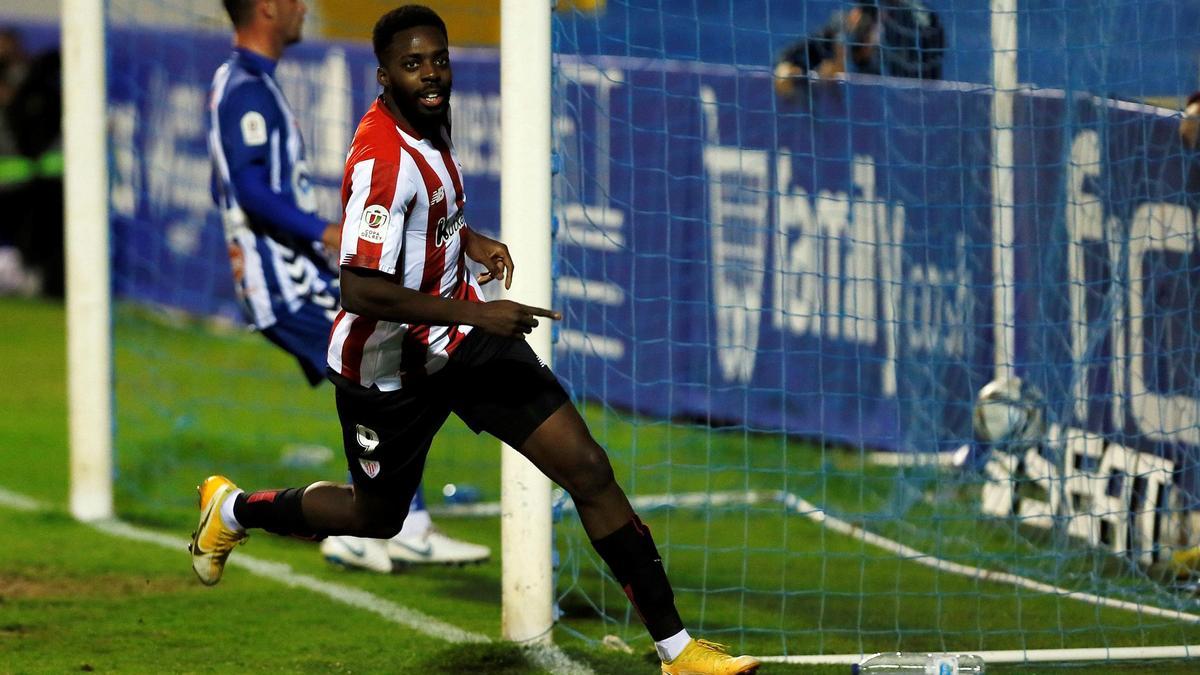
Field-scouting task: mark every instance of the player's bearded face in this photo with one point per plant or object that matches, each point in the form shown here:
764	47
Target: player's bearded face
417	74
292	19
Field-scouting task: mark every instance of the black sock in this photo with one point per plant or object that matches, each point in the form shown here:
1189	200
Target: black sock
634	560
276	511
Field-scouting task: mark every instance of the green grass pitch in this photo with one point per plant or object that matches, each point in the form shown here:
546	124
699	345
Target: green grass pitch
193	399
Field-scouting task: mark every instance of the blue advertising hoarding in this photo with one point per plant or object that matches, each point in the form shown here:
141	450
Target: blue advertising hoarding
821	267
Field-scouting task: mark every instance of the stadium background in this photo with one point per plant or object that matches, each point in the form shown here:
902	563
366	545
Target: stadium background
698	111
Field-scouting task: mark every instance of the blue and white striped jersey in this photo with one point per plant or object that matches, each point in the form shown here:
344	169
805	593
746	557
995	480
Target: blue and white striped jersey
261	184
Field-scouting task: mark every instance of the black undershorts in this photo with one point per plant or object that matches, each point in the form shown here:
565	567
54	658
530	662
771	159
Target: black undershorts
494	384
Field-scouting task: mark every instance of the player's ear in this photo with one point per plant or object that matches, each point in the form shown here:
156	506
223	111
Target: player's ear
268	8
381	77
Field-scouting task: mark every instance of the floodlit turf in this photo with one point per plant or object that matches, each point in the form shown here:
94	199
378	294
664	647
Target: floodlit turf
193	399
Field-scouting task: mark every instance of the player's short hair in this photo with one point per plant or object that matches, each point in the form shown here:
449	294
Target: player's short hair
868	7
240	11
403	18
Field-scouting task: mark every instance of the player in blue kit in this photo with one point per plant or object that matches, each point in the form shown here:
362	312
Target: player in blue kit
279	247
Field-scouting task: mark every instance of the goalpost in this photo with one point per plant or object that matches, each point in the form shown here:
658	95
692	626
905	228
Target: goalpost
85	193
525	513
528	581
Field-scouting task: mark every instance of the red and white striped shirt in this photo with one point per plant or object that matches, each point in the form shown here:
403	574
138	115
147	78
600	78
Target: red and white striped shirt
402	199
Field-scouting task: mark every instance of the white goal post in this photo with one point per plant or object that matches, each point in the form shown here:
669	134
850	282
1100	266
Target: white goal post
86	221
527	575
525	523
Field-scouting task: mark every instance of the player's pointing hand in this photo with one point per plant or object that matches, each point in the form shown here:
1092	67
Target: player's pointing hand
505	317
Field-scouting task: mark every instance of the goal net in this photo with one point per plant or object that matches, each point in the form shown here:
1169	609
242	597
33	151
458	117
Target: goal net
791	253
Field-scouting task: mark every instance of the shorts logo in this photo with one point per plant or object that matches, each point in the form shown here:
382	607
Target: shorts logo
373	226
254	128
368	440
437	196
369	467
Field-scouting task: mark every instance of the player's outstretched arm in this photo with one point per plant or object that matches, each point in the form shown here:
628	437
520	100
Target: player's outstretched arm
383	297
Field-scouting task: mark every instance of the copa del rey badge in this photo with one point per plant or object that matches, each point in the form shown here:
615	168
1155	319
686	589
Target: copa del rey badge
373	225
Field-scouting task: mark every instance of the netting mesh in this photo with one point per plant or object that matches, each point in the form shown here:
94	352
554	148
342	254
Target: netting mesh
780	300
806	292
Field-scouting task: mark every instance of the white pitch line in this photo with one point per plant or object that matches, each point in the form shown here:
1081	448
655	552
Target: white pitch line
548	657
812	512
1021	655
555	660
18	502
284	574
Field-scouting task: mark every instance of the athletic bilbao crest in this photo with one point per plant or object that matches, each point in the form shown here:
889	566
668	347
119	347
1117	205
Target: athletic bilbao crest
369	467
738	195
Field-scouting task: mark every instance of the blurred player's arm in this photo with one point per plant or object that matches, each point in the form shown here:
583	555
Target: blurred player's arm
248	116
811	55
1189	126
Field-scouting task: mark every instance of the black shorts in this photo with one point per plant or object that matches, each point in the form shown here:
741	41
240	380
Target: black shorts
494	384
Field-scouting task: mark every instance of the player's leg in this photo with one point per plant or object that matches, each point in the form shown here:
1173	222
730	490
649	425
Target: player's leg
563	448
304	333
386	436
319	509
535	416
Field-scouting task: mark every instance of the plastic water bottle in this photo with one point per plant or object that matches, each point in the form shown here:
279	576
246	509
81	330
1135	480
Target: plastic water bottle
916	663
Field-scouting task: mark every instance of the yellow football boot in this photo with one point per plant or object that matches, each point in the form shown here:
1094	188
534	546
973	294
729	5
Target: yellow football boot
701	657
1185	562
213	541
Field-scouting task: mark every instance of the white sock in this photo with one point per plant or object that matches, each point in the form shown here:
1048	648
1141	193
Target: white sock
227	516
671	647
415	525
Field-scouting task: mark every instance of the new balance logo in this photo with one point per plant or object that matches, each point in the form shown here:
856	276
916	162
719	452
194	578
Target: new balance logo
437	196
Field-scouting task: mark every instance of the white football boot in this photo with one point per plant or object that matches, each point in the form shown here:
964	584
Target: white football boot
357	553
432	547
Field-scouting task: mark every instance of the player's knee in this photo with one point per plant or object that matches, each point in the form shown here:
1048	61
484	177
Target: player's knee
591	475
380	526
384	530
378	519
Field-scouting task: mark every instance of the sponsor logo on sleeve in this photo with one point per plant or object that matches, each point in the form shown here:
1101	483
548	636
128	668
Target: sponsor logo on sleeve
373	225
254	128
